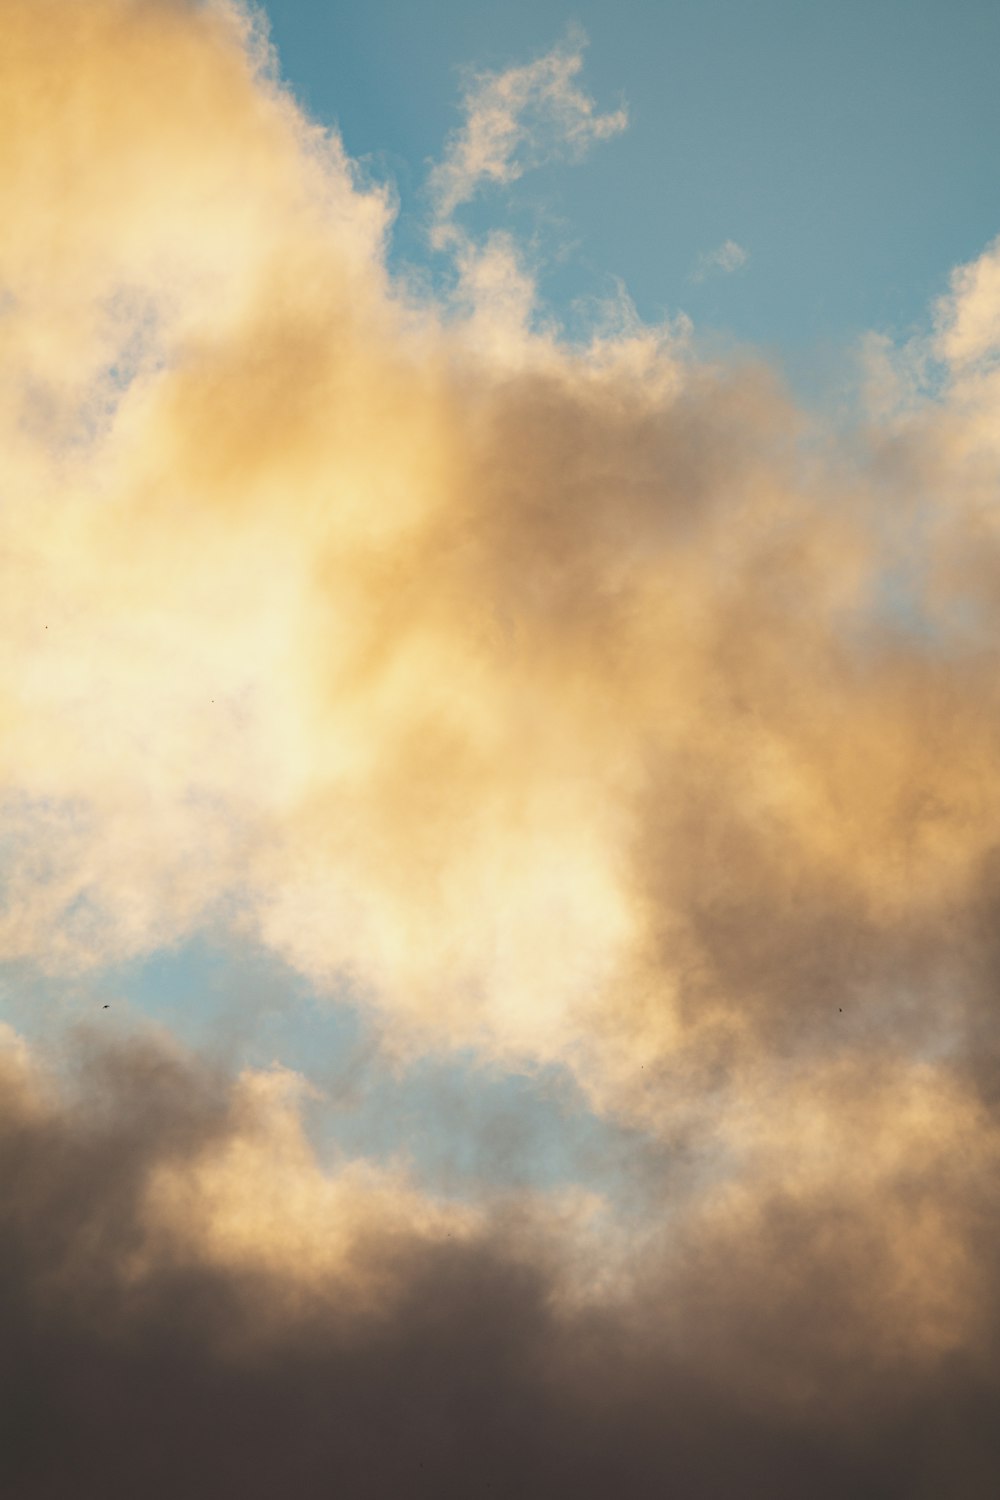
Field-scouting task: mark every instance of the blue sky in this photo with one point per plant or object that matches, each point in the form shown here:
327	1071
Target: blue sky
846	147
455	1122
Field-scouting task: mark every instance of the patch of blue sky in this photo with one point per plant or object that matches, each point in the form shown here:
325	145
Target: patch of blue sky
460	1127
848	149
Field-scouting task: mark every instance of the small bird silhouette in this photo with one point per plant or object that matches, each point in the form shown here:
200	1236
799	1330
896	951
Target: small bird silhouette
107	1007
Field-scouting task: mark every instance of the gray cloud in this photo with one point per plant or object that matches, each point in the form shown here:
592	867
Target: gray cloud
741	1366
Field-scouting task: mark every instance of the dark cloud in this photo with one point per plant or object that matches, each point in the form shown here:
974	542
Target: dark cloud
743	1369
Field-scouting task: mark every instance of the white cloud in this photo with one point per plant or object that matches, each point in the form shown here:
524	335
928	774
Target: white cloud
515	120
729	257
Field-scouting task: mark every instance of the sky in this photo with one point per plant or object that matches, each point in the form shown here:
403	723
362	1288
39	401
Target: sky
846	148
498	742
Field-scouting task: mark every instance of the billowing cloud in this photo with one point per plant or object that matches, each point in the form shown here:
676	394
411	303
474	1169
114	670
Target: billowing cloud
584	705
180	1314
564	707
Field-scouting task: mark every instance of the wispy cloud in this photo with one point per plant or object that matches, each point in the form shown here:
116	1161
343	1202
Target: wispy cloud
515	120
729	257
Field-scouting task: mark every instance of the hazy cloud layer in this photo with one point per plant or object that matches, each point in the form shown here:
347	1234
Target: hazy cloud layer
581	705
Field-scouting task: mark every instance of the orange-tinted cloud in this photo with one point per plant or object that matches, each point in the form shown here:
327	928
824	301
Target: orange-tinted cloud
585	705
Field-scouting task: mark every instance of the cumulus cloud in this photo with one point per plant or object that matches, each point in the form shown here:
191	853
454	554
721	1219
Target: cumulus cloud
561	706
581	705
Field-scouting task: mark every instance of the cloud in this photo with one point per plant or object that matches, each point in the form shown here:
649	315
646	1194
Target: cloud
969	316
580	705
158	1340
515	120
727	258
518	690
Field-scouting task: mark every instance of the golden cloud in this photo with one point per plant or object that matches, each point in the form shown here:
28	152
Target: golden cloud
555	695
